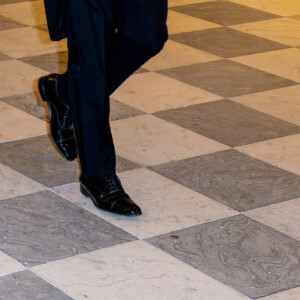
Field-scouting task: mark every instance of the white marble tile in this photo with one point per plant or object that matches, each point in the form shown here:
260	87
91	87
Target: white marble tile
277	7
9	265
13	184
178	23
149	140
282	30
17	78
293	294
28	41
176	55
185	2
282	152
151	92
16	124
280	103
284	63
135	271
29	13
283	216
166	205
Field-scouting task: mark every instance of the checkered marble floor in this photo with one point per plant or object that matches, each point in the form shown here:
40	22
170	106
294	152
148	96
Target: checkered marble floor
208	141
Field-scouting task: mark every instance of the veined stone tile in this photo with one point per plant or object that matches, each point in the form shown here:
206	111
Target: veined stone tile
132	271
43	227
26	285
234	179
119	110
280	103
177	54
13	1
4	57
156	141
166	205
282	152
292	294
284	63
278	7
17	78
227	78
224	12
178	22
29	13
14	184
181	2
6	23
282	30
33	41
283	216
151	92
8	265
240	252
16	124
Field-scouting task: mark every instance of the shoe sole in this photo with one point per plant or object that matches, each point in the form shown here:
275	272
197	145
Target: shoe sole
49	104
86	193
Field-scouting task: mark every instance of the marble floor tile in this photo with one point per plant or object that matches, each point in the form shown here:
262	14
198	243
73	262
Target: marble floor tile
13	1
6	23
29	13
175	2
8	265
14	184
223	12
178	22
227	78
42	227
166	205
148	140
283	217
18	78
37	158
4	57
280	103
30	103
33	41
124	164
228	122
119	110
292	294
278	7
282	152
234	179
52	63
240	252
138	91
16	124
284	63
26	285
219	41
282	30
135	271
176	55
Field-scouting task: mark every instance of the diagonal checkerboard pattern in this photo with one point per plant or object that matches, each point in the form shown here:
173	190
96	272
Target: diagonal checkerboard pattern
207	135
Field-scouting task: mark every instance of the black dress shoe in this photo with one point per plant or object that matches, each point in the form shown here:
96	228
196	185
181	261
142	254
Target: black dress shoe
107	193
60	118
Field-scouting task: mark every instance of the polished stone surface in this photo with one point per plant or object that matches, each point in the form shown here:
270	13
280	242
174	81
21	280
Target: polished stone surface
253	258
234	179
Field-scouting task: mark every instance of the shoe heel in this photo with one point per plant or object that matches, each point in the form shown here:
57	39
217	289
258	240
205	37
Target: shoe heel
84	191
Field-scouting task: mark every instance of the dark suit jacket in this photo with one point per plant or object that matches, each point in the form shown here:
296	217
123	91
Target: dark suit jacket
56	18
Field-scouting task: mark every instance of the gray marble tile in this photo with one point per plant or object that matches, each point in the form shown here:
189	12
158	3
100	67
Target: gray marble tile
224	12
29	103
220	41
53	62
25	285
6	23
247	255
119	110
229	123
42	227
13	1
124	164
4	57
38	159
227	78
140	70
234	179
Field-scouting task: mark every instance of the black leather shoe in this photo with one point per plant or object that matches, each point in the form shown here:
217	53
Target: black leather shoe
60	117
107	193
